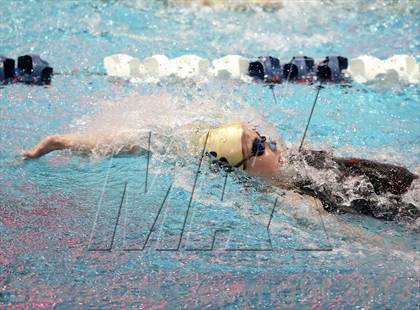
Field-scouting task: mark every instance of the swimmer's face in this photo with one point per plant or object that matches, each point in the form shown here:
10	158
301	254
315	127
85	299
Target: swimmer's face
266	164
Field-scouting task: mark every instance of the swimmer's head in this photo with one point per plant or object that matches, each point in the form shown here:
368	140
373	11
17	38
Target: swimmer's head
268	162
224	143
238	145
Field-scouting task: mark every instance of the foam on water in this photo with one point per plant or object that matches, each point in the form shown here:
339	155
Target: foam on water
167	116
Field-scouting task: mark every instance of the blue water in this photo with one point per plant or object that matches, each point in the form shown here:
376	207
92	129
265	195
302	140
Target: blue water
58	213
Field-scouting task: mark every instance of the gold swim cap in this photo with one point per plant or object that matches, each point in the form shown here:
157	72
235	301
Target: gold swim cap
225	141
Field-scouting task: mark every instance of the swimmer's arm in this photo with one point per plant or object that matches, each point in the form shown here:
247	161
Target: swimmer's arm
49	144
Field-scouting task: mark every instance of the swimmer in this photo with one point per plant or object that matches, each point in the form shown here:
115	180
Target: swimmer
342	185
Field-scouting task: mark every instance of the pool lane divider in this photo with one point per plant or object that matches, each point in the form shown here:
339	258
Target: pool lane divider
267	69
31	69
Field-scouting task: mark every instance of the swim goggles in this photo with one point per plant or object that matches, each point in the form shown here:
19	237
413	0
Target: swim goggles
258	148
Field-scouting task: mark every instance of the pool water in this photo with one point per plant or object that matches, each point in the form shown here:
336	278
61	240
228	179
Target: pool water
77	230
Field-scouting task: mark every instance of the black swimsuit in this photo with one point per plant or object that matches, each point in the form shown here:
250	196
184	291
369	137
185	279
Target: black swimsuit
383	179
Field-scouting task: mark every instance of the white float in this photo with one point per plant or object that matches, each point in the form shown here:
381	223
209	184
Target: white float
158	66
122	65
230	66
188	66
414	77
405	65
365	68
398	68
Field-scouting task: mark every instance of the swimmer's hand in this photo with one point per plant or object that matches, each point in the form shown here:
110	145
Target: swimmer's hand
29	154
48	144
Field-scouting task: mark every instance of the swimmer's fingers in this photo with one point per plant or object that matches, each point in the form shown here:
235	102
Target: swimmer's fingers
26	154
